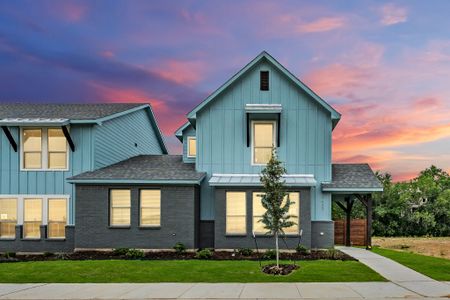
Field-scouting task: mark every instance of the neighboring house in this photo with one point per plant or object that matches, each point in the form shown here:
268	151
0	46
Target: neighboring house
126	192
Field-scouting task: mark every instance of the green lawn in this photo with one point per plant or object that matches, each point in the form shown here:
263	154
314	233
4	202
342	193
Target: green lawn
179	271
434	267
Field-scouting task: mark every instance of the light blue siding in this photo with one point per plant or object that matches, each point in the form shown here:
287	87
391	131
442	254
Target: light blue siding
13	181
188	132
115	139
305	135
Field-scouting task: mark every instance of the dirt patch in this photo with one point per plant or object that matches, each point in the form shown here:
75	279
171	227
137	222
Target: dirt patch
280	270
432	246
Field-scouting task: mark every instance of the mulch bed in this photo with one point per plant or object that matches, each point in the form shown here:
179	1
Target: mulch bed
281	270
171	255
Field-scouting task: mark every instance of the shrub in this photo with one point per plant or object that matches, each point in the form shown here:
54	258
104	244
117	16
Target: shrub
62	256
48	254
179	247
300	249
269	254
333	254
204	254
135	254
121	251
245	251
10	254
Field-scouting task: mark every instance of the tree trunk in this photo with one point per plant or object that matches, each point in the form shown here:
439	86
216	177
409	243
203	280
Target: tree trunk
277	250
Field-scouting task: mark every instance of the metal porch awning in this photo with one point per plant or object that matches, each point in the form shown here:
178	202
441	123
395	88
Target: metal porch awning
292	180
263	110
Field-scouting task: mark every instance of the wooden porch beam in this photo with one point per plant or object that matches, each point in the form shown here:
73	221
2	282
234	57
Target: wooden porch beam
10	137
348	219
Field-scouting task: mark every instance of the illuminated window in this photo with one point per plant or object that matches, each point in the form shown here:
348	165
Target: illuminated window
258	211
236	213
32	148
57	218
120	203
32	218
263	142
192	147
8	217
150	202
57	149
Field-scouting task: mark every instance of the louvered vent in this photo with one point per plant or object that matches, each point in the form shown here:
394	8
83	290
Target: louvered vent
264	80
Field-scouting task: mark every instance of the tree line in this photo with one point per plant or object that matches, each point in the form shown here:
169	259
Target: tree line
418	207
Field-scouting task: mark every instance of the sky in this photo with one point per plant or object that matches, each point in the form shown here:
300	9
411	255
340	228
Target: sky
385	66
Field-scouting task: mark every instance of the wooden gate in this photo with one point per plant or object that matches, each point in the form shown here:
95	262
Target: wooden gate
358	232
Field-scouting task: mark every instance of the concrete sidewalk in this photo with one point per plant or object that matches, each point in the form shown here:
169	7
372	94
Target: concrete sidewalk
399	274
357	290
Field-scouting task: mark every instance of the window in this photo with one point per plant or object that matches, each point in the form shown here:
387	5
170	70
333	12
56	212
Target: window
44	149
294	210
192	147
8	217
32	148
57	149
264	80
32	218
258	211
150	202
57	218
263	142
120	202
236	213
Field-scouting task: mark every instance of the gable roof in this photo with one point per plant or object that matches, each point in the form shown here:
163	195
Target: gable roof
335	115
20	114
179	131
158	169
352	178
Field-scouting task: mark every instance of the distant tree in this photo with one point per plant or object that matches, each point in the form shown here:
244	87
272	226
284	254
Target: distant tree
276	217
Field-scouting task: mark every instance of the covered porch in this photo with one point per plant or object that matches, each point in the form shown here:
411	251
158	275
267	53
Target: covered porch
351	183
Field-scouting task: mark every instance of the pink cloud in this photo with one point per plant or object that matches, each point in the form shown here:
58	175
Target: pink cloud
392	14
182	72
321	25
107	54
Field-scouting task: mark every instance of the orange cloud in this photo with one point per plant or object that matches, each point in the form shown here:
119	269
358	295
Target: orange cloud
321	25
392	14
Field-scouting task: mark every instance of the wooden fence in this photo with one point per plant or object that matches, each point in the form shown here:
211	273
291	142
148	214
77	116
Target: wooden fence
358	232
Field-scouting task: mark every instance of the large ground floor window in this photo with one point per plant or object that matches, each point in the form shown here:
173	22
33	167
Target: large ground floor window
33	211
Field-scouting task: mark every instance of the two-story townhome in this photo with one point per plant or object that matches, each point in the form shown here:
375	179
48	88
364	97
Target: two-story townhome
102	172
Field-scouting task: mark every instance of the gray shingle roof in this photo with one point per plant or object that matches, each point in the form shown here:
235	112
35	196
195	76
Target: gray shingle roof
352	177
89	111
145	168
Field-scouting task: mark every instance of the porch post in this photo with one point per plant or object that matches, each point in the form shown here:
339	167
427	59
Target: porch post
369	207
348	213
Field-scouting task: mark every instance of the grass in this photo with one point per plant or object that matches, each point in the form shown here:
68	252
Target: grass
436	268
430	246
98	271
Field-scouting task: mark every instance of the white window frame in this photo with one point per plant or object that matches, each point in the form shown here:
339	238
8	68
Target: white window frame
44	145
17	217
48	214
252	140
188	154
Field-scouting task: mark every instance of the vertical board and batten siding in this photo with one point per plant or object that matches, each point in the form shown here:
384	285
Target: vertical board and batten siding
188	132
305	135
116	138
13	181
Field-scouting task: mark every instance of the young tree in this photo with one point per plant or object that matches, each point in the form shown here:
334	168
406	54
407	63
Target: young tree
276	217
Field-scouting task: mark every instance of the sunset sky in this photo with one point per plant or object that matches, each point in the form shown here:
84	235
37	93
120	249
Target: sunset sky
384	65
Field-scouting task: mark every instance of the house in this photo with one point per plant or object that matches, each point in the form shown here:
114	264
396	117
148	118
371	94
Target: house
135	195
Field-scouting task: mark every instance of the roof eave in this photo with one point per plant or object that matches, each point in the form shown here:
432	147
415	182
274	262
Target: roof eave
135	181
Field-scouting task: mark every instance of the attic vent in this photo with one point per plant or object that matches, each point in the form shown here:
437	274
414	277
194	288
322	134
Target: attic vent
264	80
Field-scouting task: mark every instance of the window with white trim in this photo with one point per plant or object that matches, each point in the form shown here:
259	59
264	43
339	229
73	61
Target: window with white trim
192	146
263	140
120	207
150	208
44	149
258	211
236	213
57	218
8	217
32	218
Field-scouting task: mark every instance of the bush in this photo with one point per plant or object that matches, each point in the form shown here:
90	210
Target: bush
10	254
179	248
135	254
333	254
270	254
120	251
204	254
300	249
48	254
245	251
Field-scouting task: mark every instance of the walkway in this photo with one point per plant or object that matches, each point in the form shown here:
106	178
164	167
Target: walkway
399	274
357	290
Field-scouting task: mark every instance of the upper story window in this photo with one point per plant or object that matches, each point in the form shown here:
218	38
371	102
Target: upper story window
44	149
264	80
263	140
192	147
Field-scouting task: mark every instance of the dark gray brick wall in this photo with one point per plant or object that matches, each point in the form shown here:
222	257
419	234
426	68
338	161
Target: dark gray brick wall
222	241
322	234
39	245
178	211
